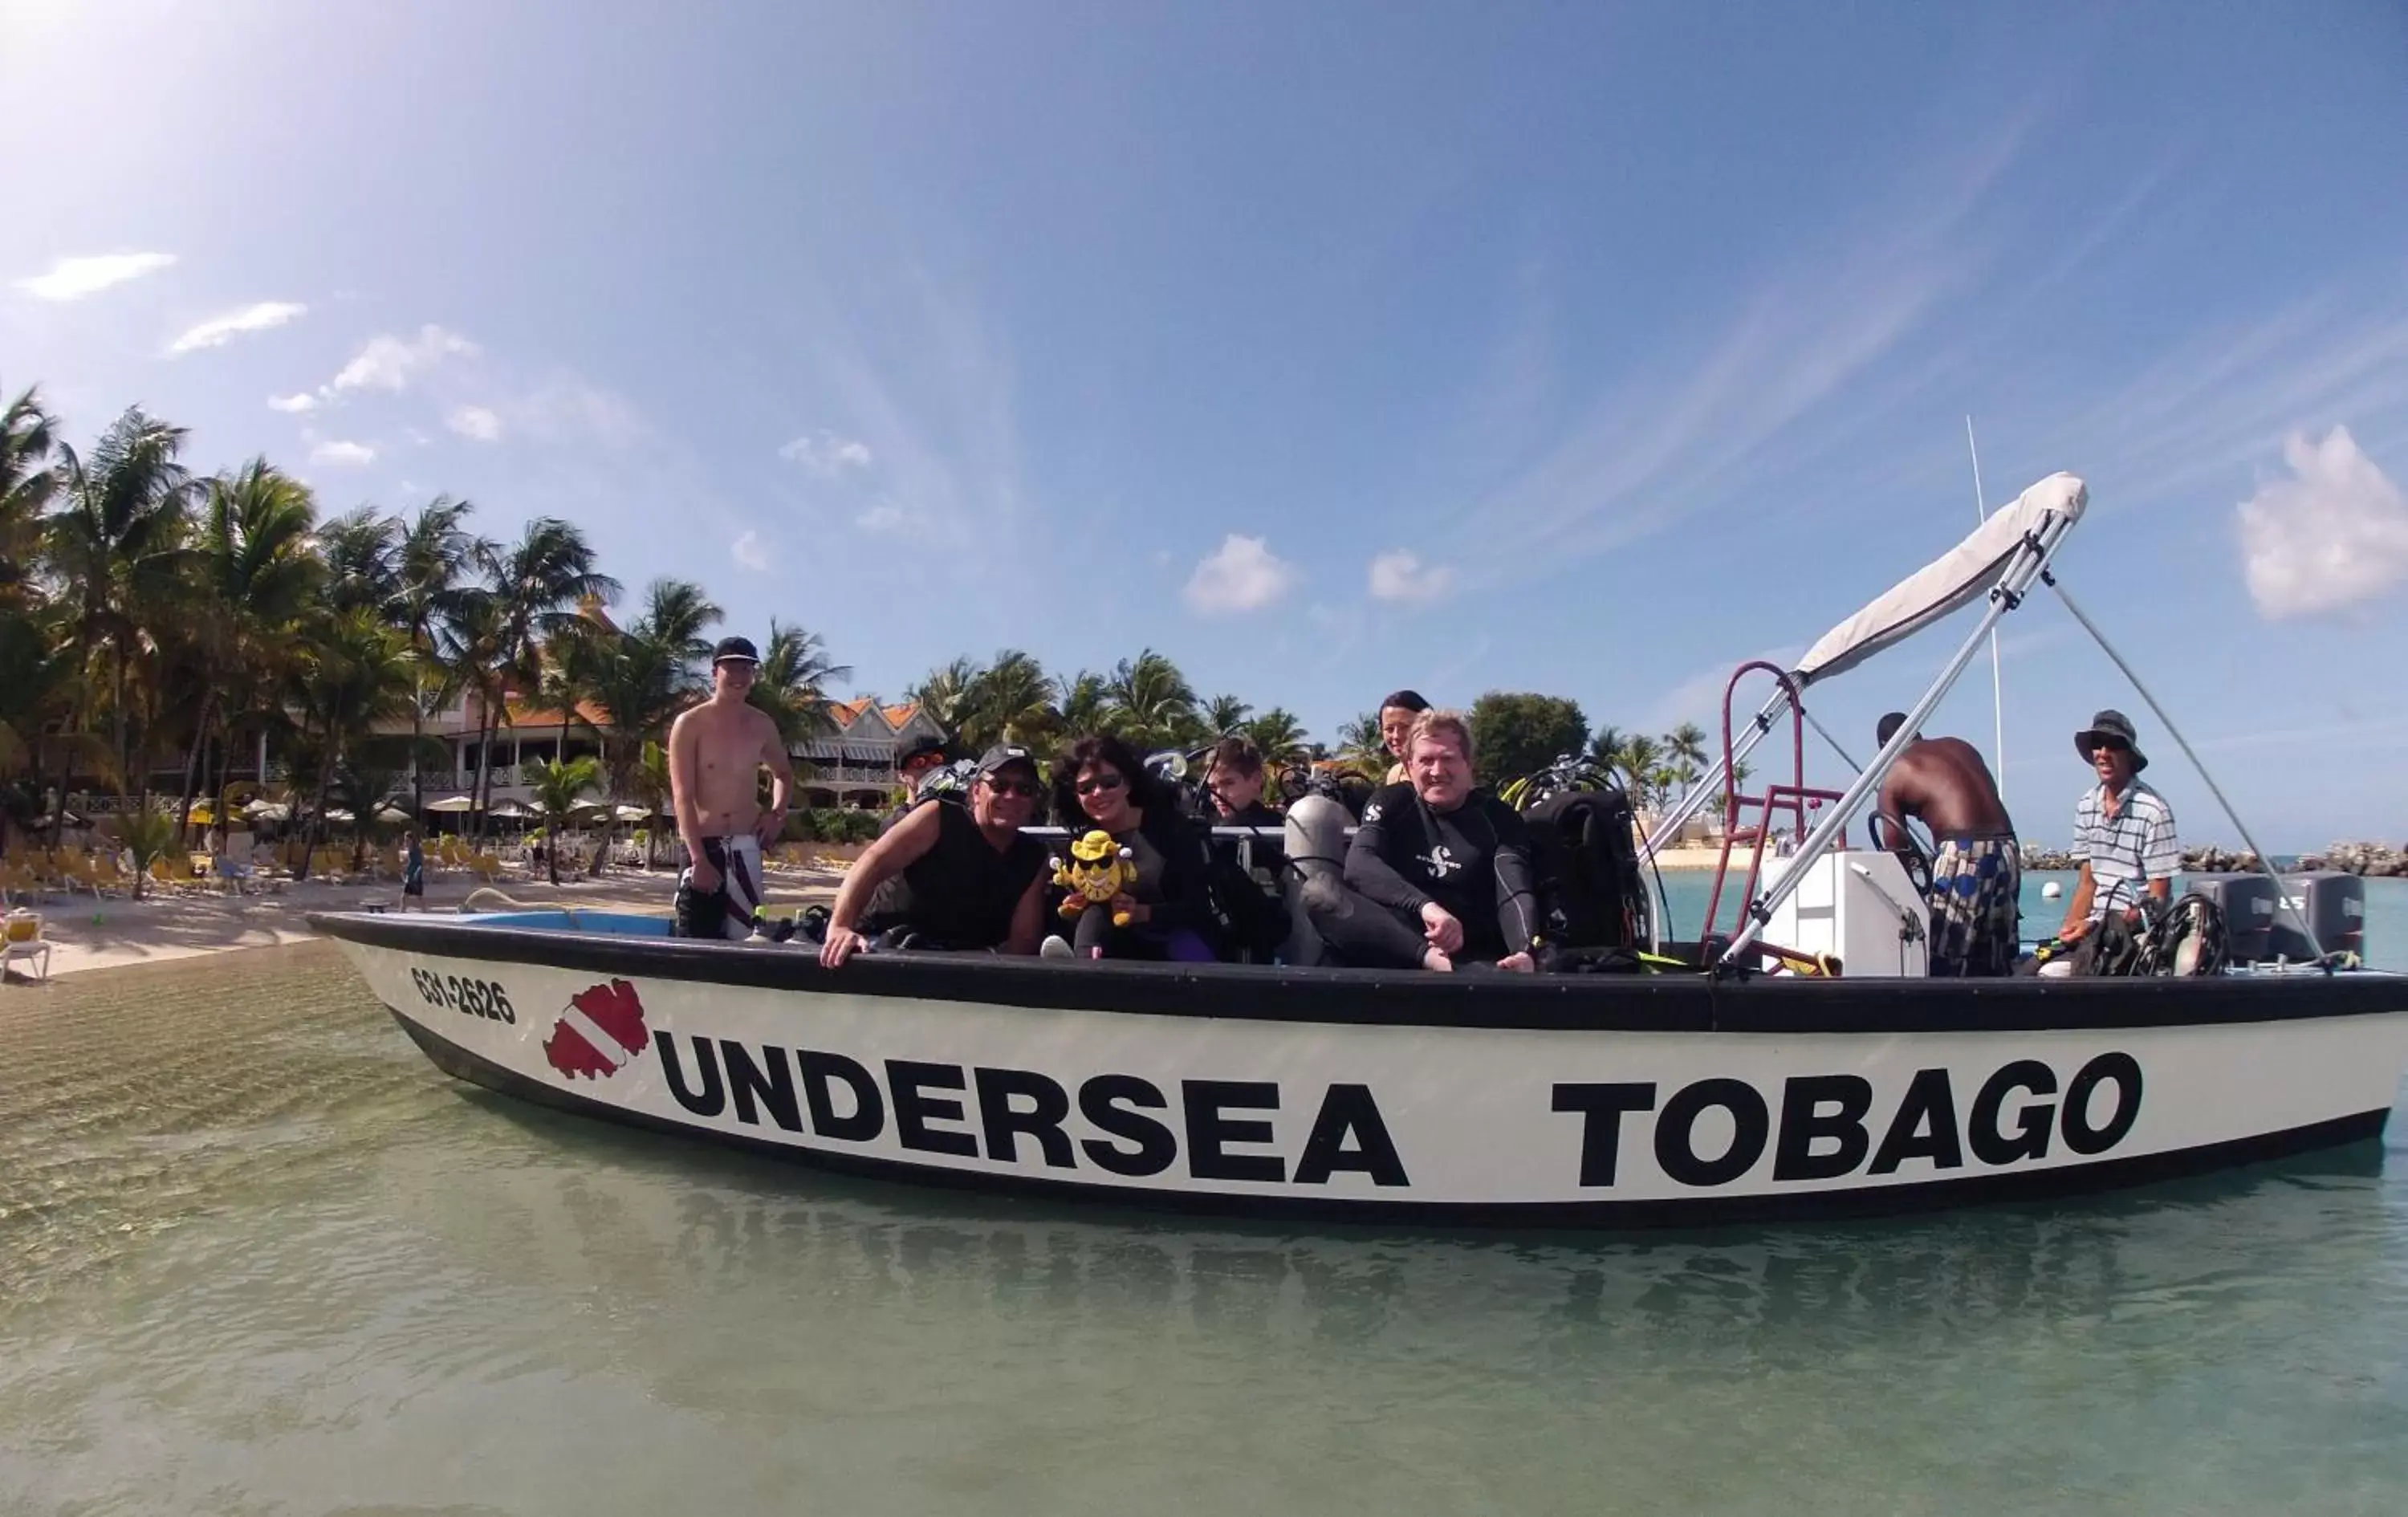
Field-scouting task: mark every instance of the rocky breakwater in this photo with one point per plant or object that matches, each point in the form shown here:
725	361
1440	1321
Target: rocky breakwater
2373	859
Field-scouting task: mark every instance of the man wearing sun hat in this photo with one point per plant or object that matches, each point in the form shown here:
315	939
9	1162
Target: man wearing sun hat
2122	830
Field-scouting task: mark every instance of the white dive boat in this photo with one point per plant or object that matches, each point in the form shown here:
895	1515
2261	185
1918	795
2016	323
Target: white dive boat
1703	1092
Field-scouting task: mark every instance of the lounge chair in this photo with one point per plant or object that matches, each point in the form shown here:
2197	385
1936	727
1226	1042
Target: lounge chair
21	938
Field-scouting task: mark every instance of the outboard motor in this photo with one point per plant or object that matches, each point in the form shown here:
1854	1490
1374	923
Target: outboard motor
2334	904
2248	904
1316	873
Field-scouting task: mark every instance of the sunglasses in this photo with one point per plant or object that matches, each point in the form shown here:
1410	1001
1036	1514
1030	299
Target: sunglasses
2112	745
1102	781
1025	789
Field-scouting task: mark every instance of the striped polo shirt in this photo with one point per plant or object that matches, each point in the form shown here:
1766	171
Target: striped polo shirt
2125	854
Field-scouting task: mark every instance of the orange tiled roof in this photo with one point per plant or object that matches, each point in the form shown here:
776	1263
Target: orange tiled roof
848	712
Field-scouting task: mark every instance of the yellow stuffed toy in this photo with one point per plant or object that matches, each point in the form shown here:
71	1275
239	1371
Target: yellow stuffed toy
1097	870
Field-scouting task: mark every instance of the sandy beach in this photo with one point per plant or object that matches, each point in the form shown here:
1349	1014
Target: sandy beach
114	932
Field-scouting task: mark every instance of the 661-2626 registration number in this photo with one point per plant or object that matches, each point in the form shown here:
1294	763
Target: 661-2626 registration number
470	997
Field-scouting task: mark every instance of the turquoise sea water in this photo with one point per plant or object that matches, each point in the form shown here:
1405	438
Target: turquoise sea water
257	1256
2387	911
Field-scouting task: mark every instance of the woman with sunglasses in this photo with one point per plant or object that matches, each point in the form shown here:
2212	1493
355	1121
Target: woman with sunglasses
952	876
1100	783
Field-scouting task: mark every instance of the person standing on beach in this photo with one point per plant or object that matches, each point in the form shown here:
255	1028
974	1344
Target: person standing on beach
413	871
1976	870
716	751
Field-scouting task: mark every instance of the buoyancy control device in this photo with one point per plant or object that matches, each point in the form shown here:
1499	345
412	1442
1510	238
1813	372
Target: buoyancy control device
1590	890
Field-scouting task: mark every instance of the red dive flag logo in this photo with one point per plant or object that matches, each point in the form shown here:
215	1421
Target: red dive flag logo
600	1032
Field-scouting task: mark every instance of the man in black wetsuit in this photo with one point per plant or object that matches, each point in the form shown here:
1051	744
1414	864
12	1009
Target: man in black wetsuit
952	876
1435	874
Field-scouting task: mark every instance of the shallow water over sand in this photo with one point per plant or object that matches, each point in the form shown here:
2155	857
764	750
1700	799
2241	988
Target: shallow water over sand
257	1256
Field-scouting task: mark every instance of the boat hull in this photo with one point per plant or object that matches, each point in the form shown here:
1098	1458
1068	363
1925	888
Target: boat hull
1581	1100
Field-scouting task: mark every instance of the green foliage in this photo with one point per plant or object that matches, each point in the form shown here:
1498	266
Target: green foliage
146	834
1518	733
831	825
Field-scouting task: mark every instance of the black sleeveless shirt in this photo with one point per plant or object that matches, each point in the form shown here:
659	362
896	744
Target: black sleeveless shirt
961	892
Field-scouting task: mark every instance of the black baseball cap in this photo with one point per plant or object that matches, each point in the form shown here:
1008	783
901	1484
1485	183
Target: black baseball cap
1003	756
929	747
738	648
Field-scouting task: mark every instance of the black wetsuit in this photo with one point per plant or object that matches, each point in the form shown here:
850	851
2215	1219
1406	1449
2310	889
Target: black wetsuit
1474	860
961	892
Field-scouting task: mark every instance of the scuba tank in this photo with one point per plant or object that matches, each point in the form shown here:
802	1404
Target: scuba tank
1316	843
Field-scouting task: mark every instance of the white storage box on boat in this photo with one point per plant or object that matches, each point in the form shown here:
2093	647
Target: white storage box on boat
1860	909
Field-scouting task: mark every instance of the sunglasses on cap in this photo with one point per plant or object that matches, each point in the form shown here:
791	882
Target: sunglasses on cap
1025	789
1092	783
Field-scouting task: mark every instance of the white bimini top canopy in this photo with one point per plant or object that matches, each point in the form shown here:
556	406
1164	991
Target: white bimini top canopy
1946	584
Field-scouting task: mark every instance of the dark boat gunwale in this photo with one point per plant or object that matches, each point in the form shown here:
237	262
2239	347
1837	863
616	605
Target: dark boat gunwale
1688	1002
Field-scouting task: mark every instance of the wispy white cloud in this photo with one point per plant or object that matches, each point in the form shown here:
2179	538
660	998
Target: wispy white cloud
337	450
292	405
826	454
749	551
1699	697
72	278
1398	575
2330	538
219	330
475	422
390	363
1242	575
567	408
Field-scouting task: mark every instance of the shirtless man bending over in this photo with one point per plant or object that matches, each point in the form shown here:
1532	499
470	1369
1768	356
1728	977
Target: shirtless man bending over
716	751
1977	874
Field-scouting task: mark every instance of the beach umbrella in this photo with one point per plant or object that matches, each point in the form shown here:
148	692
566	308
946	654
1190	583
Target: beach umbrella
631	813
510	811
338	814
268	811
452	803
393	816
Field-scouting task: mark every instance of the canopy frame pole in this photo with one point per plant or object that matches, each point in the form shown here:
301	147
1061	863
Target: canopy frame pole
1711	785
2030	560
2282	896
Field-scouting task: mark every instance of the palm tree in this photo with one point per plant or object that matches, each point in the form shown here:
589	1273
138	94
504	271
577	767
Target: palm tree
944	693
257	580
1361	747
361	550
431	559
558	788
119	544
1686	744
1011	701
648	786
1279	735
1224	716
1639	757
1153	700
1605	748
1083	703
637	681
353	673
538	587
27	483
792	684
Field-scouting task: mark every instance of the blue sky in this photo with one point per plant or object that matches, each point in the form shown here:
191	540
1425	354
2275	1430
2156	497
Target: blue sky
1581	349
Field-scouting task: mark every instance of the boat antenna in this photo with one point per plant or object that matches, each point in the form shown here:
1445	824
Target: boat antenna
1998	686
2265	866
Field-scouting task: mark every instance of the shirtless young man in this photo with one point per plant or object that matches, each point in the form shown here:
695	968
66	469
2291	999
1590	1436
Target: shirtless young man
1977	873
716	751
